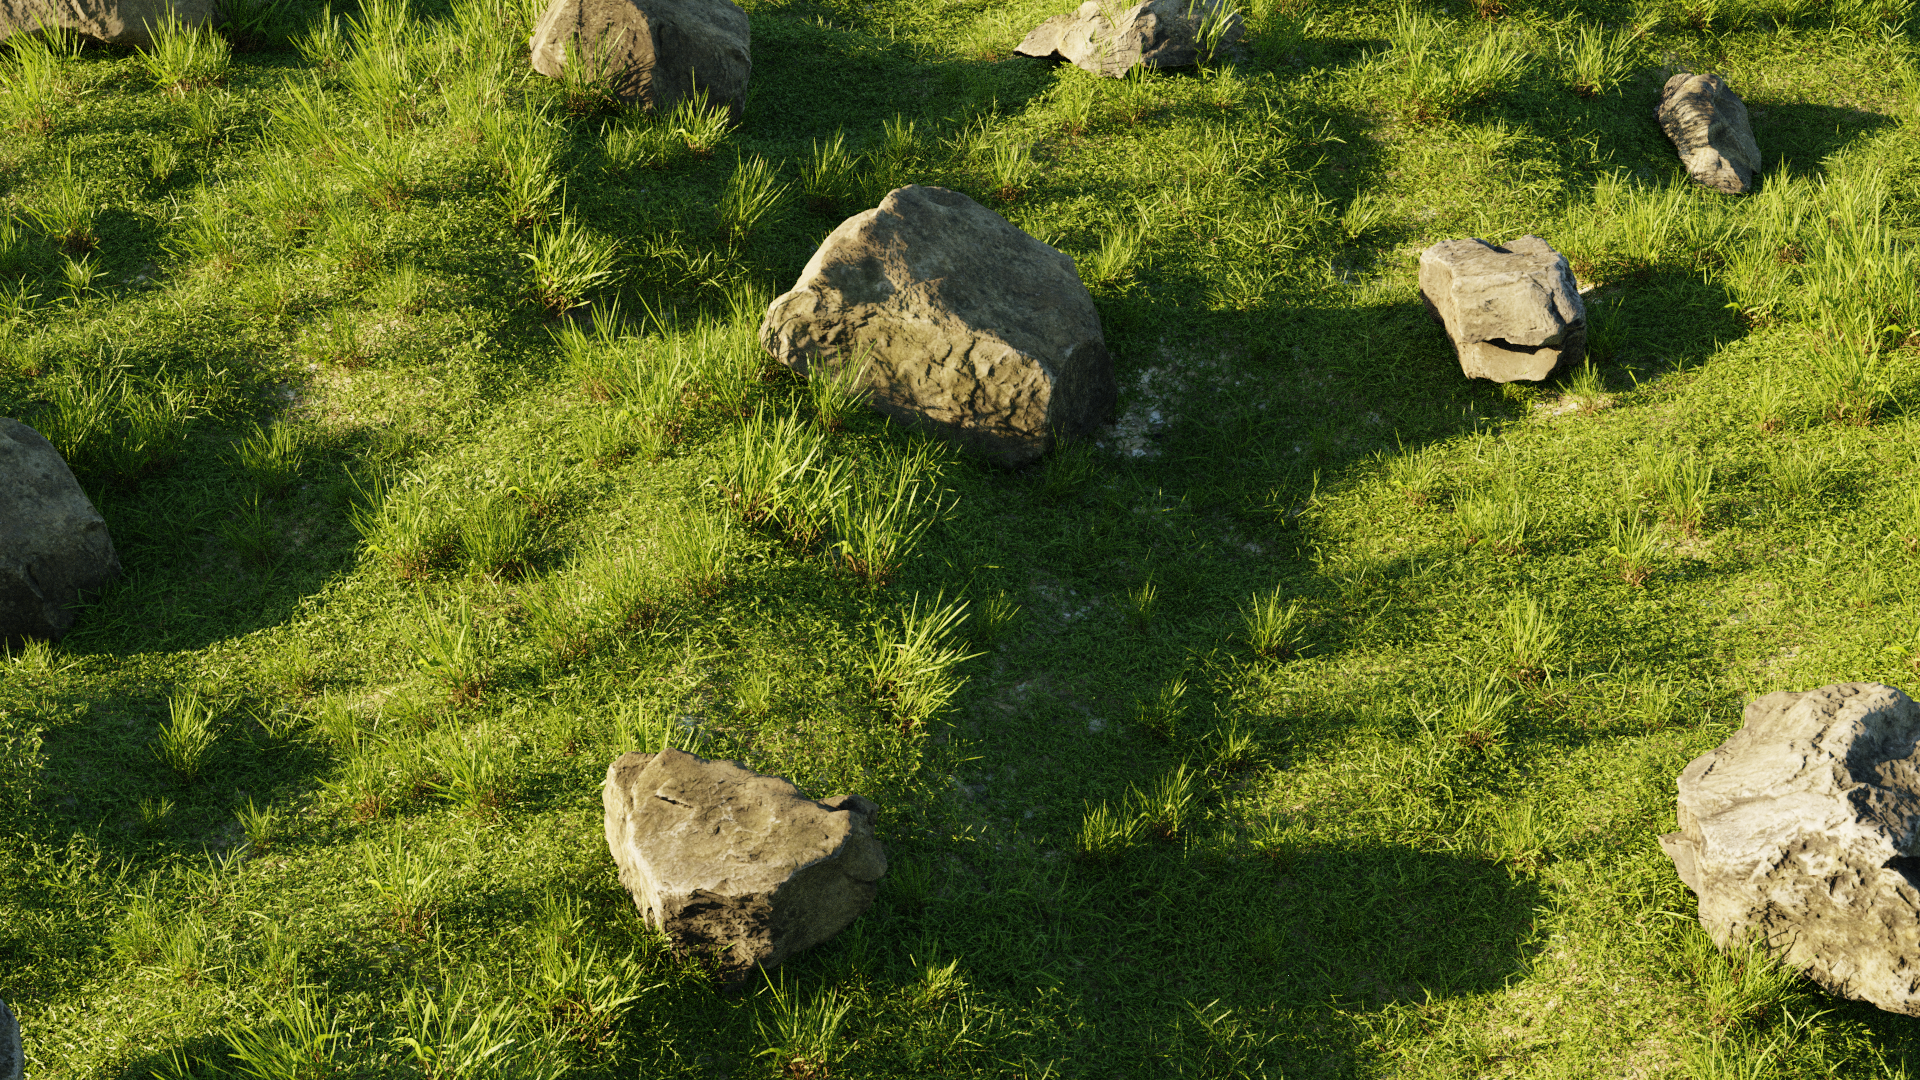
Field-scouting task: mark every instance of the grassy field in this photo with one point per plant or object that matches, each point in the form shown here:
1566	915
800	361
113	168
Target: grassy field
1317	721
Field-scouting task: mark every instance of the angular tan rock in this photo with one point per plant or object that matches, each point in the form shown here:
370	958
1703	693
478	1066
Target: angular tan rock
1708	124
1156	34
964	325
651	52
1800	833
53	543
1512	312
736	866
118	22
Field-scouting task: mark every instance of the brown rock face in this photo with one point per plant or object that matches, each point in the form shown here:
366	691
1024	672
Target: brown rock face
654	52
119	22
1708	124
1157	33
1513	312
53	543
1799	832
735	865
966	326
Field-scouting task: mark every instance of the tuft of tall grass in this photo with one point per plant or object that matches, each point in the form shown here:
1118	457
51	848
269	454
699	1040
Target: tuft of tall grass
1597	59
752	198
110	428
1498	516
472	769
567	261
295	1039
1142	602
1435	75
803	1038
184	58
881	514
1682	482
837	392
1118	253
1275	628
914	669
497	536
1635	545
827	177
187	737
452	1035
447	648
700	126
632	145
1529	633
66	211
33	82
251	532
405	873
1107	832
523	156
325	44
1164	714
404	523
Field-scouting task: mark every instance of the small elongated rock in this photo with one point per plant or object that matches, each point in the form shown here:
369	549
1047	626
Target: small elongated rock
736	866
650	52
12	1057
117	22
53	543
1513	312
1802	832
1155	34
1708	124
963	325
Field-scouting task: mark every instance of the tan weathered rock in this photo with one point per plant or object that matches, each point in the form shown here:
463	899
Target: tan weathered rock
651	52
1802	832
965	326
1708	124
734	865
1512	312
1156	34
53	543
119	22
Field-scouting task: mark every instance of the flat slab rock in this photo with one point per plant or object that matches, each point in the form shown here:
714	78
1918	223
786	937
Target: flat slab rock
54	545
736	866
1155	34
964	326
1802	832
1512	312
650	52
117	22
1708	125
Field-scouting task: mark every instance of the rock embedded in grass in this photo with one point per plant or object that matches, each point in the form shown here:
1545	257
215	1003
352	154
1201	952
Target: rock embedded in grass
116	22
650	52
965	326
54	545
1155	34
1513	312
1802	832
12	1058
1708	124
736	866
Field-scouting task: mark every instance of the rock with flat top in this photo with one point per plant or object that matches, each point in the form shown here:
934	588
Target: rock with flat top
736	866
117	22
964	326
1708	124
652	53
1513	312
54	547
1801	832
1154	34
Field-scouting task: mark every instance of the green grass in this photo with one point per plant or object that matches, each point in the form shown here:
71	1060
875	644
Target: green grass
1316	720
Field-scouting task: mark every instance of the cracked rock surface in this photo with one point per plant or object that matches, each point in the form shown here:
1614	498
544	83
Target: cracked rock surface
1799	832
652	53
53	543
1155	34
116	22
737	866
1513	312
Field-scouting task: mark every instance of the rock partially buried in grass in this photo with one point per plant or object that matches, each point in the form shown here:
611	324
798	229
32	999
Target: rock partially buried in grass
1513	312
963	325
116	22
53	543
736	866
12	1058
1156	34
650	52
1708	124
1802	832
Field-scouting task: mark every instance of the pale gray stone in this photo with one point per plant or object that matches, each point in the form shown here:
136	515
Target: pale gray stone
119	22
736	866
1512	312
1156	34
53	543
1708	124
651	52
12	1057
964	325
1799	833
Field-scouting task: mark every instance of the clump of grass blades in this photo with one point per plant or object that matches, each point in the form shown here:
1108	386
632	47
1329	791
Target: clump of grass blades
827	177
1275	628
1119	251
589	75
915	669
447	649
33	82
66	212
187	737
1529	633
1416	473
405	873
1166	808
1436	76
696	550
1497	517
700	126
752	197
1683	482
1164	714
251	532
838	392
1009	166
1797	474
878	519
183	57
774	472
523	156
1598	60
448	1032
577	989
1106	833
1142	602
497	536
567	262
1635	544
271	457
803	1038
468	770
109	428
295	1039
405	524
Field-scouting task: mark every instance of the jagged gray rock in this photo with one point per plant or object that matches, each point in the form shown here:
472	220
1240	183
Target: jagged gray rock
651	52
118	22
964	325
1513	312
1708	124
12	1058
1157	33
736	866
53	543
1799	832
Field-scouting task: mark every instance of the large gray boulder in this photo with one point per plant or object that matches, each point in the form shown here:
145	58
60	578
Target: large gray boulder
1513	312
1799	832
53	543
964	325
1708	124
118	22
650	52
736	866
12	1058
1157	34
